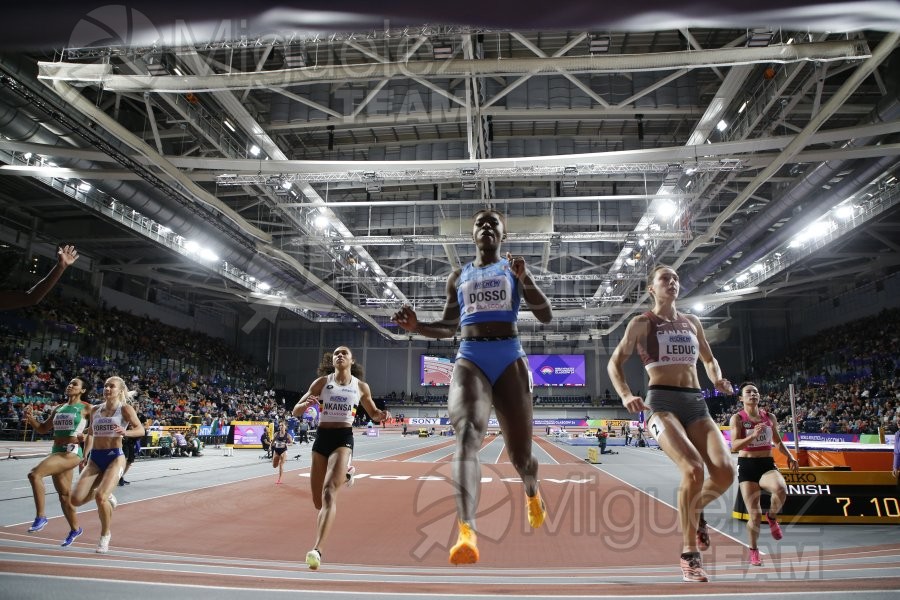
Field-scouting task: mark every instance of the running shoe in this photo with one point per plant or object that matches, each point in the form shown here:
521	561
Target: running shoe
774	527
465	552
702	535
351	471
692	569
755	560
112	501
103	546
39	523
71	537
313	559
537	512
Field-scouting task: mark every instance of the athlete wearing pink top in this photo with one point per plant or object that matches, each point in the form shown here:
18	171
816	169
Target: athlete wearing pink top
753	432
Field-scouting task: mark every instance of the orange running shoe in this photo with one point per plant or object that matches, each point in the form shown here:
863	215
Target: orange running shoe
465	552
537	512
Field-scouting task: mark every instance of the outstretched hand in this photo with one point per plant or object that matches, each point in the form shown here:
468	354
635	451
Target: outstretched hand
66	255
406	318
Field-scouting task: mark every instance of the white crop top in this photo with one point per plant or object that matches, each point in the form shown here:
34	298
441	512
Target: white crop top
106	426
338	402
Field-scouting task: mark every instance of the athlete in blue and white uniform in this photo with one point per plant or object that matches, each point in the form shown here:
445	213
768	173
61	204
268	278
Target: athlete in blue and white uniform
338	391
110	422
670	342
490	370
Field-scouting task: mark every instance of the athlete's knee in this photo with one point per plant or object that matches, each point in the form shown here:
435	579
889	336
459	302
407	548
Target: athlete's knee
692	472
722	476
329	493
469	434
100	498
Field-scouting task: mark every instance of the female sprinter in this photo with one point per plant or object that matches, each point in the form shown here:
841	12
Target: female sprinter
68	422
338	391
753	431
669	343
280	444
110	422
490	370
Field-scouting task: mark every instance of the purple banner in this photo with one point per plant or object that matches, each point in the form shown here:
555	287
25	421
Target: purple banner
557	369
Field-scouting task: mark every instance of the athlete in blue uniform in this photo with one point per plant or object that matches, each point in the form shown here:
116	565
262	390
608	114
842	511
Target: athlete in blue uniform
490	370
105	462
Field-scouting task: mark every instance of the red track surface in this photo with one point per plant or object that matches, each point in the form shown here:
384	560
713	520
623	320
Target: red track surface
395	526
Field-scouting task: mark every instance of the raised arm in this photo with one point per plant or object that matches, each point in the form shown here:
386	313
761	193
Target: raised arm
40	426
10	300
637	329
713	371
534	296
406	317
309	398
738	440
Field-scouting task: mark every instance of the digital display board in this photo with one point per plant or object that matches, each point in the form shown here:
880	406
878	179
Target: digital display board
248	434
435	370
562	370
835	497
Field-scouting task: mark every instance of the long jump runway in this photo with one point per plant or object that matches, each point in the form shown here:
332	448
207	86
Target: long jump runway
205	537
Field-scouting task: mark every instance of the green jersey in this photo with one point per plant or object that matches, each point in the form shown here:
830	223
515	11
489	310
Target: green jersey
69	420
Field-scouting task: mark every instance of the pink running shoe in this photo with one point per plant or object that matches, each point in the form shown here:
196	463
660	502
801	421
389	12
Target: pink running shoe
692	569
774	527
755	560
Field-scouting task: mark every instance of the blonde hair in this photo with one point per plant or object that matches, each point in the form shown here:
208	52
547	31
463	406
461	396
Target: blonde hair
125	394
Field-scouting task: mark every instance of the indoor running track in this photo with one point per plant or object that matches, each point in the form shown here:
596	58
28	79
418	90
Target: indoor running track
603	537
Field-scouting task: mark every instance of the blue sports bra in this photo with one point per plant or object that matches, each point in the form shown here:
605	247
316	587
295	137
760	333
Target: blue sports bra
489	293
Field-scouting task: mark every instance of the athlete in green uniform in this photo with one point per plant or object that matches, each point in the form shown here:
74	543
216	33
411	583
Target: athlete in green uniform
67	421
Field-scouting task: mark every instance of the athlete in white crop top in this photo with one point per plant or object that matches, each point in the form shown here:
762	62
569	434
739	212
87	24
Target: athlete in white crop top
680	419
753	434
336	394
105	461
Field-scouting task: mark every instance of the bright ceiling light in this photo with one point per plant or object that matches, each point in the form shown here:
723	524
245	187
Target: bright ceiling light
264	286
722	125
207	255
84	186
666	208
698	307
321	222
191	246
844	211
254	149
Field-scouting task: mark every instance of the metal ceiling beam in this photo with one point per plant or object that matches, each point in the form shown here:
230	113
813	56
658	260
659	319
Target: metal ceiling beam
102	74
